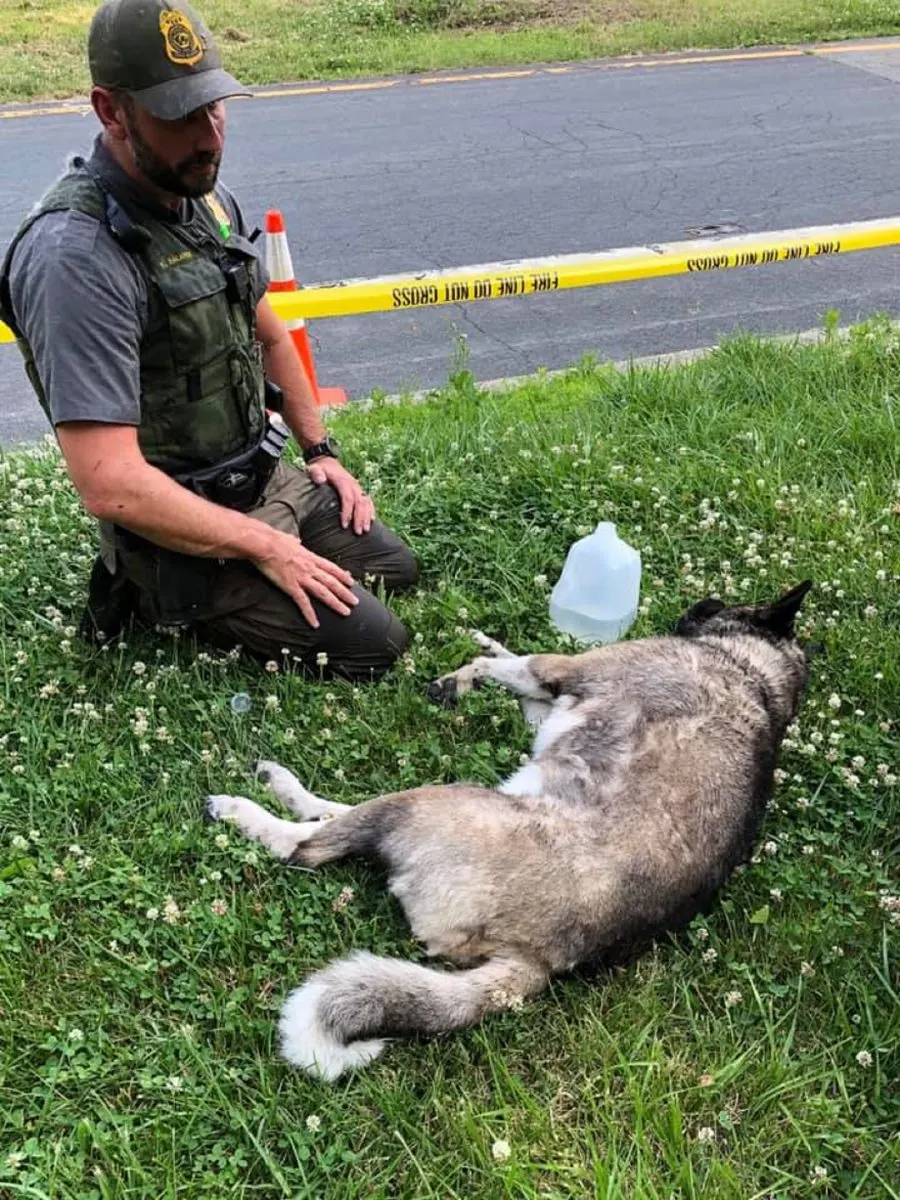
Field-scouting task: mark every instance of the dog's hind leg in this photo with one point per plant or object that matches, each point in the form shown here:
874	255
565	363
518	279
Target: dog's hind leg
291	792
280	837
357	830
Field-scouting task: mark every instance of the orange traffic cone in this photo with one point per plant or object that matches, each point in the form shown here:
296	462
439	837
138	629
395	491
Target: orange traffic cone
282	279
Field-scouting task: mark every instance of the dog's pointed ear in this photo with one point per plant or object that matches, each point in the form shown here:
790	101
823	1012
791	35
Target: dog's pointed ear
780	616
697	616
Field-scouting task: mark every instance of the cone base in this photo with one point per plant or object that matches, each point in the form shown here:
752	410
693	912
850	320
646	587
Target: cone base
331	397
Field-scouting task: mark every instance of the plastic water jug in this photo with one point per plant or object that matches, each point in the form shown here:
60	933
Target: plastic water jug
596	596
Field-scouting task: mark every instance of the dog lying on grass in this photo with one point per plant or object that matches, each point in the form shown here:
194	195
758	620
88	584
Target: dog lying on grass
651	769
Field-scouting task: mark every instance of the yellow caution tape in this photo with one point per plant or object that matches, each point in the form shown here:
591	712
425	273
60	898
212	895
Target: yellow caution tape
495	281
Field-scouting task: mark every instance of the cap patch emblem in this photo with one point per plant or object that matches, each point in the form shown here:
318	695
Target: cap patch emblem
183	47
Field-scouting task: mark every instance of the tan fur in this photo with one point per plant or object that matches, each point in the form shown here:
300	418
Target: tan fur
651	769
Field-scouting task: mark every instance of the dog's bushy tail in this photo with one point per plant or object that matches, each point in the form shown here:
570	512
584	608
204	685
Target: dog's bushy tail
342	1015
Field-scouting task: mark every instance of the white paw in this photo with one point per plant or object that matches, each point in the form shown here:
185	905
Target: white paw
224	808
276	777
495	649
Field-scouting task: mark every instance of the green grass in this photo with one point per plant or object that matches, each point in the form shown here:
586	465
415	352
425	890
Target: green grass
42	42
137	1052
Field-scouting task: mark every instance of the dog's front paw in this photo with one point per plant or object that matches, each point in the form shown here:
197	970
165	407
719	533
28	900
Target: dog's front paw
489	645
448	689
222	807
443	691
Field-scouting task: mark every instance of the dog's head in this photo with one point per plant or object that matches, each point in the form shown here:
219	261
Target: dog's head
764	638
774	622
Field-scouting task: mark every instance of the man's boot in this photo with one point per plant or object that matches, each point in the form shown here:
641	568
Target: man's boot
111	602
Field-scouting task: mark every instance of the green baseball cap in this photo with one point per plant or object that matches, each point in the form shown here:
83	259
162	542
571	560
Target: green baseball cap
161	55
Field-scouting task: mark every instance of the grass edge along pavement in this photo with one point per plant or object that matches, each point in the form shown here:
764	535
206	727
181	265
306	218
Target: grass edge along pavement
264	42
144	956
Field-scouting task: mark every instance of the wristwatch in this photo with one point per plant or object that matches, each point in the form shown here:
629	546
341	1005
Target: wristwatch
326	449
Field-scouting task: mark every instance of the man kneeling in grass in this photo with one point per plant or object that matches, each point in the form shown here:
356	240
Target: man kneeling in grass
139	305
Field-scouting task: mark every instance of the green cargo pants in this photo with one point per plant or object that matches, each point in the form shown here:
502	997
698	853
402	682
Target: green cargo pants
230	603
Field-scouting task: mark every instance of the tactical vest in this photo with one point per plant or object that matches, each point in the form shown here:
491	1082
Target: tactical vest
201	373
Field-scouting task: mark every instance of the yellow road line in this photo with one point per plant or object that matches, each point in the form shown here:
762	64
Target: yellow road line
59	110
630	64
323	88
496	281
841	48
701	59
430	80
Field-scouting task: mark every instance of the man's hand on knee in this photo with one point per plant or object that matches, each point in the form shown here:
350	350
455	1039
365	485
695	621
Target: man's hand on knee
303	576
356	506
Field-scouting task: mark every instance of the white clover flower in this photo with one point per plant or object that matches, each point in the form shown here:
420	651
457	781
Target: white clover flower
174	1083
710	955
834	701
706	1134
807	970
218	908
322	659
221	840
272	667
864	1058
77	1035
313	1123
500	1151
18	842
733	998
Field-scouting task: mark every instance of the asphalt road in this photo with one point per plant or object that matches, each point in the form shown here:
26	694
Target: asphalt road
414	175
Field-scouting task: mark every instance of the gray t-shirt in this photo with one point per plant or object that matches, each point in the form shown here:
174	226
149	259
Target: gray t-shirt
81	303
